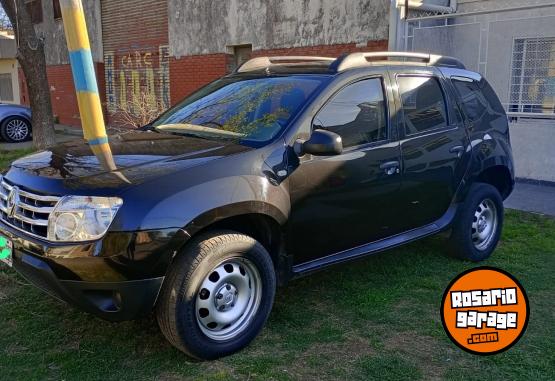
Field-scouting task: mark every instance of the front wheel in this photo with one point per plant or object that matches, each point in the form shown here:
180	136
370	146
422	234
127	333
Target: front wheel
477	228
217	295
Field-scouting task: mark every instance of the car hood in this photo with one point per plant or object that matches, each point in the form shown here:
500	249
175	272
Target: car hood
133	158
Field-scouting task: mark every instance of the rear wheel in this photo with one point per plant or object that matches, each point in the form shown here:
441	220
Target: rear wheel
477	228
15	130
217	295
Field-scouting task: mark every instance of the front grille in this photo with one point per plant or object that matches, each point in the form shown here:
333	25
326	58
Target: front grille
31	212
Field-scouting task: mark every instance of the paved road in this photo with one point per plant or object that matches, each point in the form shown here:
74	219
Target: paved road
532	198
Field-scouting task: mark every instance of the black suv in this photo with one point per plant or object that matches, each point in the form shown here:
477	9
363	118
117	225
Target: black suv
284	167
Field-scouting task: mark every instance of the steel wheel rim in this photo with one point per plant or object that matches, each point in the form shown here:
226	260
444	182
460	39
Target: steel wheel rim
17	130
226	303
484	224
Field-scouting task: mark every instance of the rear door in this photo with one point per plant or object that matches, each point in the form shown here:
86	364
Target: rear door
434	146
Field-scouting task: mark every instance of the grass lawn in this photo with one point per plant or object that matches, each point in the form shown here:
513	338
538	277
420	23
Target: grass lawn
377	318
6	157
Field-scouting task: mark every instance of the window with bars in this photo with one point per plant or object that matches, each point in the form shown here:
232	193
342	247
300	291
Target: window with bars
533	76
6	90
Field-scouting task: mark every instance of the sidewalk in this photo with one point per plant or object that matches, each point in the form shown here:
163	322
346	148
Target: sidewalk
63	134
532	198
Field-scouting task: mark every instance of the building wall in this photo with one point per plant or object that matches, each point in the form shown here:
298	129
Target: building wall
210	26
137	64
62	92
52	30
10	66
201	33
187	74
151	53
60	79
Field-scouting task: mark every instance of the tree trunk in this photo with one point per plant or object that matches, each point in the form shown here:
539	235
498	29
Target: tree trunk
30	54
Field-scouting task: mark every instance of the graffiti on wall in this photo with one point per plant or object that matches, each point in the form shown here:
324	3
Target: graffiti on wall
137	77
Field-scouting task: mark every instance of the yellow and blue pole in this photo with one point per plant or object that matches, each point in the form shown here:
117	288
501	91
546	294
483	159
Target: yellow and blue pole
84	77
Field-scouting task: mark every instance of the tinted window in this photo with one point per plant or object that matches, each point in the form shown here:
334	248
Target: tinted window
250	111
357	113
473	101
491	97
423	104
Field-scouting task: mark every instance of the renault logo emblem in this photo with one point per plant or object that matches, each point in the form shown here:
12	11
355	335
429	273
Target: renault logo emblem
12	202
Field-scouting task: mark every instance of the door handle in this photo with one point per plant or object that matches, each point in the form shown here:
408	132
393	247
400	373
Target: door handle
390	167
457	149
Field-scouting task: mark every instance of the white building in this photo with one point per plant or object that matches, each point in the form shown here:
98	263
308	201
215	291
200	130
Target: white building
9	78
512	43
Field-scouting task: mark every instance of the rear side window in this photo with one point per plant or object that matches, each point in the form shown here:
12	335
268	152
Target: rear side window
423	104
473	101
357	113
477	99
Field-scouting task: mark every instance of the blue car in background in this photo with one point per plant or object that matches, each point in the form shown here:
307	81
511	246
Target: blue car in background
15	123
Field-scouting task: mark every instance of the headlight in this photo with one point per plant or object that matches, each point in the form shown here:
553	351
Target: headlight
78	218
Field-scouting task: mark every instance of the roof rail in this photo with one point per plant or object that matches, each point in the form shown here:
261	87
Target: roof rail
259	63
361	59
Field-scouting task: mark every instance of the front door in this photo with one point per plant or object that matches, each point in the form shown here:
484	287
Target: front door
340	202
434	147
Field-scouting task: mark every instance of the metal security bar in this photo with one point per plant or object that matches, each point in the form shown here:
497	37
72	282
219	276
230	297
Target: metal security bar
533	76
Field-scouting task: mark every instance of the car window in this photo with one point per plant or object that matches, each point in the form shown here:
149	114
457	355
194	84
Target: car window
423	104
473	101
477	99
250	111
357	113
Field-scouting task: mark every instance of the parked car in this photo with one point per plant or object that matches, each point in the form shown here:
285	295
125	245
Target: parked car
15	123
285	167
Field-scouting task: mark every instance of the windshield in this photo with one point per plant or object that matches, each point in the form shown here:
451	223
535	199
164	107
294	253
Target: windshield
251	111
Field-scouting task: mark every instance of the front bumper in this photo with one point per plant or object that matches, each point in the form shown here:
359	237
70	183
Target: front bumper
117	278
113	301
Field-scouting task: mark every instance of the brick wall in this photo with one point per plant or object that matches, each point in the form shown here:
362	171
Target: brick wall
62	92
188	74
136	56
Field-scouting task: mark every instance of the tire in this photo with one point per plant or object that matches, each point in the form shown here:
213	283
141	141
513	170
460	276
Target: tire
478	225
192	295
15	130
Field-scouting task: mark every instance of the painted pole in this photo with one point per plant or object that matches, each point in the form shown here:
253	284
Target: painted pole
84	77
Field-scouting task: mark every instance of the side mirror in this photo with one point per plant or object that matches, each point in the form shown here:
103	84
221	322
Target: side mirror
321	143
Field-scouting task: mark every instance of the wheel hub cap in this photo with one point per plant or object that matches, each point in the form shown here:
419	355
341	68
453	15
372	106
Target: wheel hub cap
17	130
484	224
228	299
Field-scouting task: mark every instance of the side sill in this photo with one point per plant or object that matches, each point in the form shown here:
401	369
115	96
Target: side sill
377	246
